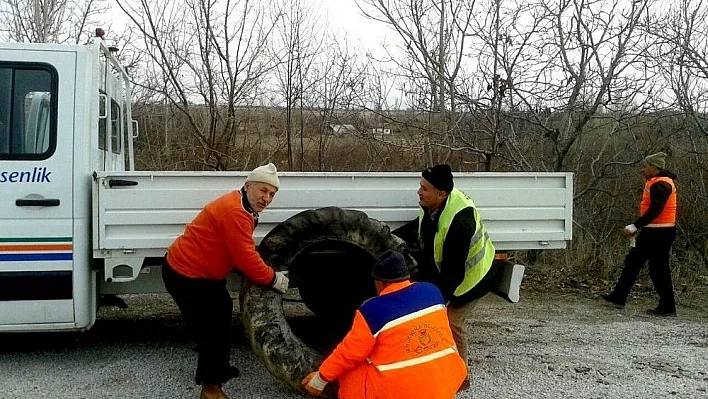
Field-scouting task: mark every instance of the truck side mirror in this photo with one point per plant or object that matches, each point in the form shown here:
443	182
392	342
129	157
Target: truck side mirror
135	129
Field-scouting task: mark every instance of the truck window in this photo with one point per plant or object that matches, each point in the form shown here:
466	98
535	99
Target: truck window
27	111
116	128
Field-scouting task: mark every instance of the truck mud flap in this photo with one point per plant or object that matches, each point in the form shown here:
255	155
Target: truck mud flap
329	253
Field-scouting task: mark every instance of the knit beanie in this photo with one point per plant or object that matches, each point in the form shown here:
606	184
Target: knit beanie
657	160
265	174
391	267
440	176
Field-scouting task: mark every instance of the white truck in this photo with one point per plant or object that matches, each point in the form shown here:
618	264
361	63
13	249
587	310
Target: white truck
77	222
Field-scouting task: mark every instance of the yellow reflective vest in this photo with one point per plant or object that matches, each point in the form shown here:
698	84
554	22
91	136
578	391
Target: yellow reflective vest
481	254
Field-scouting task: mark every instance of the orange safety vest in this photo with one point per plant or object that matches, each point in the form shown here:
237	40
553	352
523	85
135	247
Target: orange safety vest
667	217
400	346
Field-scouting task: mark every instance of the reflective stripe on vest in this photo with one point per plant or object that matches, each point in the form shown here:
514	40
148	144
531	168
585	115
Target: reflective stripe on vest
667	217
408	317
416	361
481	253
471	262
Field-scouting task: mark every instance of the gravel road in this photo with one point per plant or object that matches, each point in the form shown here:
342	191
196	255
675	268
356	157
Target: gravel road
547	346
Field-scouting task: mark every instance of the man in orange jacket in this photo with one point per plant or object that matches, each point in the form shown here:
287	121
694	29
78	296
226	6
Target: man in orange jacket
657	222
400	345
218	241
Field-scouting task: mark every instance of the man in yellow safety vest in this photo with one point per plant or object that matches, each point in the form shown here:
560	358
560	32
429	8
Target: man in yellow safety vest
457	253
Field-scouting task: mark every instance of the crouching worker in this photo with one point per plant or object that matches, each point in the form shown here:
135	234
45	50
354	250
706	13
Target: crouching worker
400	345
218	241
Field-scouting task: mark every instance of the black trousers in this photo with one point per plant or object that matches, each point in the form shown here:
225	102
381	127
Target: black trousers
654	245
207	308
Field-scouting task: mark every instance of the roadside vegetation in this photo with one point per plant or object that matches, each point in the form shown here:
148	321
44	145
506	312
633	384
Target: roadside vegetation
582	86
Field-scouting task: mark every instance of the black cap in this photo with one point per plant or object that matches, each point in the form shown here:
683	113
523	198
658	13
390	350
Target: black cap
391	267
440	176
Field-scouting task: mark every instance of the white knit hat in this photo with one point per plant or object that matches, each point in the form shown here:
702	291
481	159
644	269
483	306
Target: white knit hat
265	174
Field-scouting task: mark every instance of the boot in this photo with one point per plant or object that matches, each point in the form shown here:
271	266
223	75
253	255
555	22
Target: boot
212	392
611	301
661	312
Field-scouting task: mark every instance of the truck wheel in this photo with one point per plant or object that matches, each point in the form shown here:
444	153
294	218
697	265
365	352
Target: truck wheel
329	253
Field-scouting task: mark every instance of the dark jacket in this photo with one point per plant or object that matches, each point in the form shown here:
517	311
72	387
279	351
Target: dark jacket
455	250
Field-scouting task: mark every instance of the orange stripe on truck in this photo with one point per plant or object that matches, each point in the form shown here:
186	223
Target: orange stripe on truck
37	247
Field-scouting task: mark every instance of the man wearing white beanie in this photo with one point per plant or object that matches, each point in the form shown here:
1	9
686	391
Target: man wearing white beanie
260	195
218	241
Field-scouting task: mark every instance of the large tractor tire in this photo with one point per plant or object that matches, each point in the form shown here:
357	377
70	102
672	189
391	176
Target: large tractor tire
329	253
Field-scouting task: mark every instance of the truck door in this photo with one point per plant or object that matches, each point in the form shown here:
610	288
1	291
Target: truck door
36	204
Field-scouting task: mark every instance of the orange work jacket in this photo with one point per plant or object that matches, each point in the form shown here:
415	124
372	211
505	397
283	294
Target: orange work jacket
219	240
400	346
667	217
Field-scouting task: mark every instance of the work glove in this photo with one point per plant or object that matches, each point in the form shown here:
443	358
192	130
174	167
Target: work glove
314	383
281	281
629	230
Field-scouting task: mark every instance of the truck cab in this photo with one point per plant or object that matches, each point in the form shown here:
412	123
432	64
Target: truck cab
64	113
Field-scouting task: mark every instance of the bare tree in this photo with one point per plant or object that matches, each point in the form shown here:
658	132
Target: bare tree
578	96
433	35
431	58
207	59
566	74
680	35
597	45
333	96
508	63
506	42
50	21
301	37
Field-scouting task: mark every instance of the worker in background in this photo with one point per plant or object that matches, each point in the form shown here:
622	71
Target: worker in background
457	253
218	241
400	344
657	222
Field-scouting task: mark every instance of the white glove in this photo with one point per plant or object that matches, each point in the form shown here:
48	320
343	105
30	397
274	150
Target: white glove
281	282
630	229
314	384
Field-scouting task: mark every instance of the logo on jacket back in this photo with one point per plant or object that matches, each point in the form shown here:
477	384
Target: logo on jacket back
423	338
34	175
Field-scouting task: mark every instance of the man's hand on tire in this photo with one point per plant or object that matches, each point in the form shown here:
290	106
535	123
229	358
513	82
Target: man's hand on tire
314	384
281	282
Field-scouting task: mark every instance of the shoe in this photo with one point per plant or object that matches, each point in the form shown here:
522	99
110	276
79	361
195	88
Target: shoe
611	301
212	392
233	372
661	312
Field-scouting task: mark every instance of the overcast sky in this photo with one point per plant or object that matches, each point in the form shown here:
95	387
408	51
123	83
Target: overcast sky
344	15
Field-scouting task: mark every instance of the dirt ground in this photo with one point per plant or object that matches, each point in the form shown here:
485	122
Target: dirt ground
550	345
560	345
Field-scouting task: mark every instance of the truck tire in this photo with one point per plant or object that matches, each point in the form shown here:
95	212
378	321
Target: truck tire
307	235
